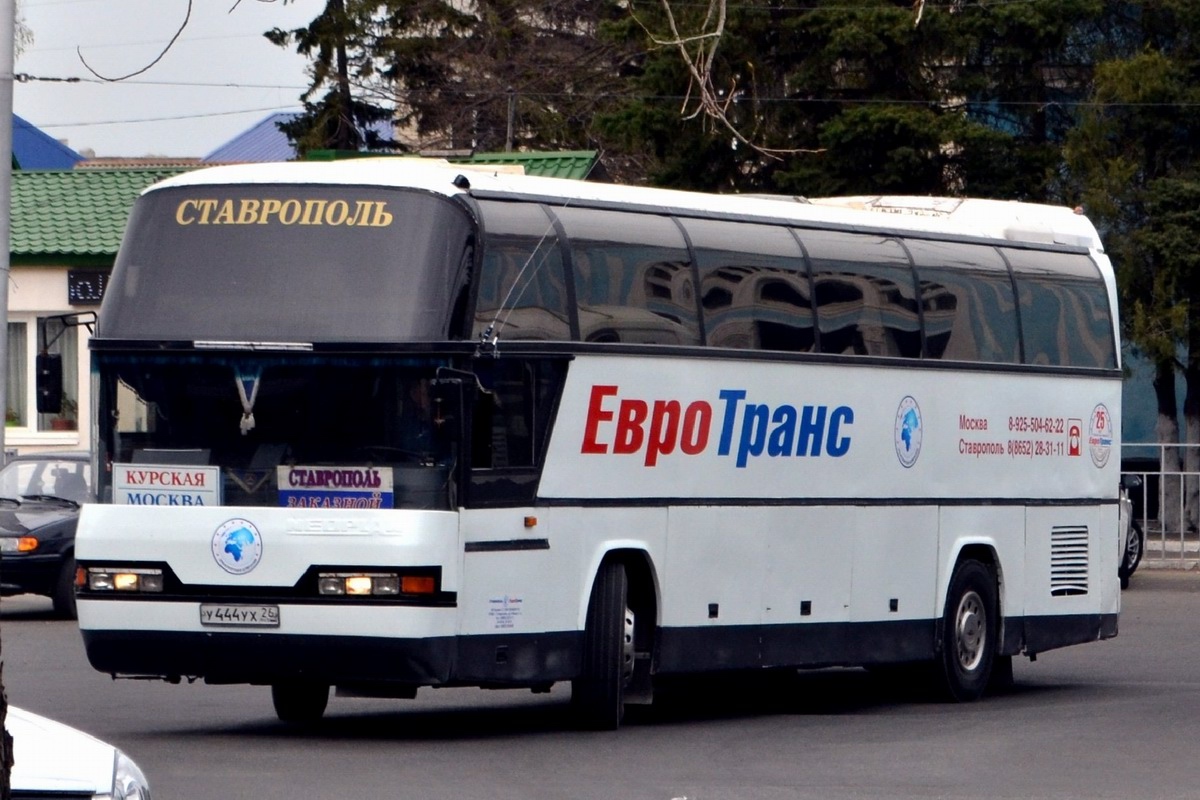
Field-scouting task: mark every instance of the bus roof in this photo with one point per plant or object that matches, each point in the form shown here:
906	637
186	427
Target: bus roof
990	219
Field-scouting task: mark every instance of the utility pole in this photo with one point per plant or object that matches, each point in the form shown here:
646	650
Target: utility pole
512	113
8	18
8	32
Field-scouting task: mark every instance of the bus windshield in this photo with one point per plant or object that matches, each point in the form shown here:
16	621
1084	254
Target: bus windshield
314	431
338	264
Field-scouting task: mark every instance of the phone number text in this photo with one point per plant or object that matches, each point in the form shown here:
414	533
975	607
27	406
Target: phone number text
1037	424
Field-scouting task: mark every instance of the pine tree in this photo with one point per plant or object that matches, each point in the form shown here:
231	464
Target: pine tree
489	75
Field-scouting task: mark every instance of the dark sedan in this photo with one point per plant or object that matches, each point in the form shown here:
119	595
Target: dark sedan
40	497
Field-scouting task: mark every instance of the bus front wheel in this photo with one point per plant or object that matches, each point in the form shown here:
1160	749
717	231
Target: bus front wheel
299	702
64	589
970	629
598	694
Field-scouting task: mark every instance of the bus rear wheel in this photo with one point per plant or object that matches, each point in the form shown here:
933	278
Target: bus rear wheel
598	694
970	628
299	702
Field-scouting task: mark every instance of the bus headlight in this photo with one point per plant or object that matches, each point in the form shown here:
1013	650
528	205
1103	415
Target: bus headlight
104	579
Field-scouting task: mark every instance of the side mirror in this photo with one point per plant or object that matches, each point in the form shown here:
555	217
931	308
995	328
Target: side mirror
1131	481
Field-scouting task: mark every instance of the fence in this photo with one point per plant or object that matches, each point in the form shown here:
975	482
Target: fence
1167	503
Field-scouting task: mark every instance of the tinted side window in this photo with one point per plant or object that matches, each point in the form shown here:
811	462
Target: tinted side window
1065	316
754	286
967	301
866	298
510	425
522	285
633	279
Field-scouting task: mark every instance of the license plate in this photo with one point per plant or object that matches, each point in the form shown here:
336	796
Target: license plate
245	616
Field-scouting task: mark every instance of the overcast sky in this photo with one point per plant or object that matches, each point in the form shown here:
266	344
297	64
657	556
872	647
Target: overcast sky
220	78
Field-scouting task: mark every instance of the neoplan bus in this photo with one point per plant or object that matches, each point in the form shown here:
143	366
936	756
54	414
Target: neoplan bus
381	425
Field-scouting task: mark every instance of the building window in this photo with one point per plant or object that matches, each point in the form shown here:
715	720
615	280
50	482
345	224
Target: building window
26	339
17	385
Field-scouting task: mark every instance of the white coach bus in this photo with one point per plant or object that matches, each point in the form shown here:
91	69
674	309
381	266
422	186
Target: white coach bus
380	425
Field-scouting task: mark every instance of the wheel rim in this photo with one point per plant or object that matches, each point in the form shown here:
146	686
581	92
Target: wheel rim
970	631
627	652
1133	547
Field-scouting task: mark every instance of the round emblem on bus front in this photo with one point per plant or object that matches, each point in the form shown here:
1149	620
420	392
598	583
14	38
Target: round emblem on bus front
237	546
908	431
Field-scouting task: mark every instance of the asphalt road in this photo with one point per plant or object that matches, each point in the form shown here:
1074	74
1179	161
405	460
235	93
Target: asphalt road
1117	719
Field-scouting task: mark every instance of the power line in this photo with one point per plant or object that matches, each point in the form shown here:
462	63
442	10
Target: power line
475	94
158	42
670	98
176	118
25	77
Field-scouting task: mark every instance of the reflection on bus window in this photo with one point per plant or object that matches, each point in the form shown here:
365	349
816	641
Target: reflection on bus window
1064	311
759	289
521	290
865	296
754	286
967	301
633	278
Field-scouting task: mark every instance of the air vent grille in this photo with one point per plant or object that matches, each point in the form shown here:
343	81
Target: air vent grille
1068	561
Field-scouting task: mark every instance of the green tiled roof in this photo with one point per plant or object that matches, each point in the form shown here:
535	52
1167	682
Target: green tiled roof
576	164
65	214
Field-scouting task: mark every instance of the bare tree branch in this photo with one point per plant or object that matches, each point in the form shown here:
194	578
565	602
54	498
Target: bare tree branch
709	102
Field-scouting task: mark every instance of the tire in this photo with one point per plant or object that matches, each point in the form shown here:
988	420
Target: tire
1135	546
64	590
299	702
598	694
970	627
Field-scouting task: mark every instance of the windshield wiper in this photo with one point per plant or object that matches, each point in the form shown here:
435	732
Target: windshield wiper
14	502
49	498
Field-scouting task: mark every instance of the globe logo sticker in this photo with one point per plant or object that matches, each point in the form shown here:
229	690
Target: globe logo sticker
237	546
908	432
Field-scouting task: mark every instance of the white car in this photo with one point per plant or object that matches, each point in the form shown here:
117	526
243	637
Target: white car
51	760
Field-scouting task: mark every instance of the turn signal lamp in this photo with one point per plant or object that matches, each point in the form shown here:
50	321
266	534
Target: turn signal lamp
414	584
100	579
27	544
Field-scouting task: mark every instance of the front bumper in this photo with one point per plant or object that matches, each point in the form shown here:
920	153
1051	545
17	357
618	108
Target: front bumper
32	573
264	658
